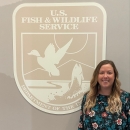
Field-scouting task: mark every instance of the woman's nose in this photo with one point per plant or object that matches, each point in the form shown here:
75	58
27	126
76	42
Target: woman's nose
105	75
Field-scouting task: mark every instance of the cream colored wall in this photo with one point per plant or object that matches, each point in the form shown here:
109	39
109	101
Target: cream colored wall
15	112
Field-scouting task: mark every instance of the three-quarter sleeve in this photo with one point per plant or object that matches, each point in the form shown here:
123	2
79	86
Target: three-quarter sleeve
81	120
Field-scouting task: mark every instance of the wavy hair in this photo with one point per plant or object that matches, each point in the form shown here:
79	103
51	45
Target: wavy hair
114	102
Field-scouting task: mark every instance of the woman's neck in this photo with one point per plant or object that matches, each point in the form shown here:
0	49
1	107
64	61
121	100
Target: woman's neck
104	91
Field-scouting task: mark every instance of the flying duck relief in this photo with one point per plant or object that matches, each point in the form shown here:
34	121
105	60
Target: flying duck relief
51	58
55	66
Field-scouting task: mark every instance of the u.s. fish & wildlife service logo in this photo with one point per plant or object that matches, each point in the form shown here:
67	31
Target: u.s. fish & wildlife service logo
56	48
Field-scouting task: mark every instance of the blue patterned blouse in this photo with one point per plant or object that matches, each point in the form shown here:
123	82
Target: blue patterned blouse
100	119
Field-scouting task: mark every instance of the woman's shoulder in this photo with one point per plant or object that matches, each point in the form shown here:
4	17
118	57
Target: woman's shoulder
84	97
85	94
125	93
125	96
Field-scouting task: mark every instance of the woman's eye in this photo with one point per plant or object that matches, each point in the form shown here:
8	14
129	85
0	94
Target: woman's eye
105	72
101	72
109	72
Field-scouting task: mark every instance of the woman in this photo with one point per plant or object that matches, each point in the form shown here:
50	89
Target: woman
105	106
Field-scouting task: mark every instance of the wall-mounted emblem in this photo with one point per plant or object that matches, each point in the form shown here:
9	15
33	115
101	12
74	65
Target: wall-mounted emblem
56	48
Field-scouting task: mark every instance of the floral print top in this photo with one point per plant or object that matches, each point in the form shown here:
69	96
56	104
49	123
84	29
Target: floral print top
100	119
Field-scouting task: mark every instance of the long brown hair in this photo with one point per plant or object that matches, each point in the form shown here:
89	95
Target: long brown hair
114	102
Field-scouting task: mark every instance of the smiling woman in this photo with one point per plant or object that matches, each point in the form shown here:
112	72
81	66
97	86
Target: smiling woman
106	78
105	105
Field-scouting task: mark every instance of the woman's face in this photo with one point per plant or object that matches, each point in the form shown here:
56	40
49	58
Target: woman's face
106	76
